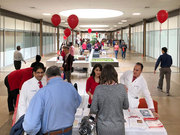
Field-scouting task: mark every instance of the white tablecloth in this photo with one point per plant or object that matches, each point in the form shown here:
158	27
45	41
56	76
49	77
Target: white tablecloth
128	130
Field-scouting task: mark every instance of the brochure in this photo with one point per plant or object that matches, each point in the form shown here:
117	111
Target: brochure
154	124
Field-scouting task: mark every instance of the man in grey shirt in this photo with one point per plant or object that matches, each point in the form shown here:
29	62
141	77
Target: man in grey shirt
18	58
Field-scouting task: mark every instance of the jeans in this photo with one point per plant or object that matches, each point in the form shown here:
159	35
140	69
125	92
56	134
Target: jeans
123	54
116	53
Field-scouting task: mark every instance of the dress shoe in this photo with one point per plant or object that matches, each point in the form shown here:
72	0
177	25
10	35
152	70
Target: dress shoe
159	88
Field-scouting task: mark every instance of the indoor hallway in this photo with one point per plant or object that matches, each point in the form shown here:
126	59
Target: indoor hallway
167	105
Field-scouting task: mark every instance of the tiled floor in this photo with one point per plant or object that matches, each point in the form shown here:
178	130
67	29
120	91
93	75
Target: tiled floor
168	106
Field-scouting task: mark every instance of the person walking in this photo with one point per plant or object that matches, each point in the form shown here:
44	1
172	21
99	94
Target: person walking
116	49
18	58
123	50
166	62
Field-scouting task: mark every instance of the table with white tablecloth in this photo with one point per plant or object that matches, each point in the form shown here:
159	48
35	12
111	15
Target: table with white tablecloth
130	129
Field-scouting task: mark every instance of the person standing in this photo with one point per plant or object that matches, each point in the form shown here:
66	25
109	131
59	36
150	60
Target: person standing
18	58
116	49
13	82
29	89
52	109
93	81
38	59
136	87
166	62
109	100
67	64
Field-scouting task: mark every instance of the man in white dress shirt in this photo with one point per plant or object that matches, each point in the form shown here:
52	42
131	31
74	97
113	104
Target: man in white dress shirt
29	89
137	87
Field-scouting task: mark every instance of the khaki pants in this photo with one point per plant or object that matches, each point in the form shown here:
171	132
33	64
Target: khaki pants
167	73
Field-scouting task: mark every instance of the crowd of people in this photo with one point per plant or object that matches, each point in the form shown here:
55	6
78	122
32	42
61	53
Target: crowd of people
48	105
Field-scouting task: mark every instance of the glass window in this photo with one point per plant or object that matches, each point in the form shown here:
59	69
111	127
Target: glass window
27	39
9	40
1	40
172	49
19	39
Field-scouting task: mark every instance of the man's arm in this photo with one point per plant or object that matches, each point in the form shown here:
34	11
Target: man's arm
147	95
22	104
33	116
157	64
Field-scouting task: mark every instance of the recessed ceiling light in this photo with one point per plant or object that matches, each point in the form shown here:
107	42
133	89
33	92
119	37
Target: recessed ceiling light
93	26
98	29
120	23
123	20
136	14
46	14
92	13
32	7
147	7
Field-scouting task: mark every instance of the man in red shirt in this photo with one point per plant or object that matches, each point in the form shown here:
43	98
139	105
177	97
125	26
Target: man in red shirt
13	82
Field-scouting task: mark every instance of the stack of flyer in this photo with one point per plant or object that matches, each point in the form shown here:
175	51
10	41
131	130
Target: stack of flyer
149	119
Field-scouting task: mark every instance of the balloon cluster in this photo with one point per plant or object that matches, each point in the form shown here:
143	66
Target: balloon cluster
72	21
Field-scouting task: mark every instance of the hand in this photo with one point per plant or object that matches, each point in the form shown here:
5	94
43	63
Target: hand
91	96
154	71
126	88
156	115
25	62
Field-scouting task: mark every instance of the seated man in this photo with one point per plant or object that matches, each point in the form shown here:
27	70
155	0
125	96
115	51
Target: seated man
136	86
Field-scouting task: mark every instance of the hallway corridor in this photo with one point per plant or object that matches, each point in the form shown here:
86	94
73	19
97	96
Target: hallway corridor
168	106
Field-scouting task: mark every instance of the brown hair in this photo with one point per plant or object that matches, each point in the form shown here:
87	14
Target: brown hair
108	75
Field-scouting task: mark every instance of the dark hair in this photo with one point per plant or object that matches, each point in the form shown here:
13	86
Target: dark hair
108	75
38	58
39	66
140	64
18	47
95	66
164	49
66	47
53	71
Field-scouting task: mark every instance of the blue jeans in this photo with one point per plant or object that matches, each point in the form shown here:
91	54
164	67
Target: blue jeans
123	54
116	53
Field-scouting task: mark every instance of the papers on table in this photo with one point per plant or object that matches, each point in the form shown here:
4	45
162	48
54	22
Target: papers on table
154	124
140	119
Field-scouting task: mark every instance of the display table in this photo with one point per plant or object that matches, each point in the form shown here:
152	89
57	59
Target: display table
131	128
104	61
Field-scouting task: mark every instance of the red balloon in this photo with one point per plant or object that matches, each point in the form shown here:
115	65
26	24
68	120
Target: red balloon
65	37
67	32
89	30
162	16
73	21
56	20
96	34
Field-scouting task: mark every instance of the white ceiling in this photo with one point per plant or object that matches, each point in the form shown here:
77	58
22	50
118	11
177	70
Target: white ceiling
126	6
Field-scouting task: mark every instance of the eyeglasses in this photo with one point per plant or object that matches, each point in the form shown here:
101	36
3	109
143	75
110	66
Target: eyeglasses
39	72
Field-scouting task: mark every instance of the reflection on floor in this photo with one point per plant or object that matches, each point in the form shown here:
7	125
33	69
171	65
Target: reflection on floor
168	106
